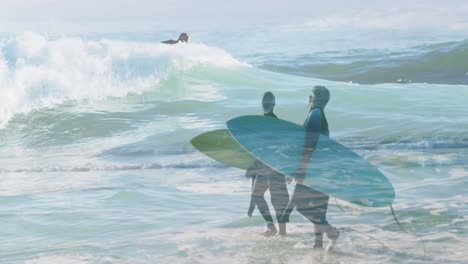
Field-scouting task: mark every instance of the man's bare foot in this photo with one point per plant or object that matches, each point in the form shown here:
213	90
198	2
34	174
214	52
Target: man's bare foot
282	229
270	230
332	233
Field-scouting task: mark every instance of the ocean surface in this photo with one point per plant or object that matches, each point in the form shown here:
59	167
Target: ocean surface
96	164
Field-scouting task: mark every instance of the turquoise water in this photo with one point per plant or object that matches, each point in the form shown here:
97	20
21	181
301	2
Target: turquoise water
96	164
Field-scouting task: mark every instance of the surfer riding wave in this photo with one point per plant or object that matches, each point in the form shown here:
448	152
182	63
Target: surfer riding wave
183	37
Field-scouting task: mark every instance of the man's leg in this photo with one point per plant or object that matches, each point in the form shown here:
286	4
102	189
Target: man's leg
279	199
313	205
260	186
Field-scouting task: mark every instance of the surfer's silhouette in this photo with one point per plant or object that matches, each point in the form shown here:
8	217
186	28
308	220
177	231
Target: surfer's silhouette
183	37
311	203
264	178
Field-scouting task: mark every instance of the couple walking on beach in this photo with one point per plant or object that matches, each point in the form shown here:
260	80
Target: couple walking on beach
312	204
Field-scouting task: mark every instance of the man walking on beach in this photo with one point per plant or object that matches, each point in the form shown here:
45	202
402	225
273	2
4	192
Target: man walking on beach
312	204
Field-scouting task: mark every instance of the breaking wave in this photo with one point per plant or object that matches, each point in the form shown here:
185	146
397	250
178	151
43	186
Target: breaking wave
443	63
39	72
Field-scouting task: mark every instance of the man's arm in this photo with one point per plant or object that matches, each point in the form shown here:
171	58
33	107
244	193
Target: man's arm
313	126
170	41
253	170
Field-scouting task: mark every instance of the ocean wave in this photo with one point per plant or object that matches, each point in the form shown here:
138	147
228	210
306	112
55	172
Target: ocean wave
411	18
39	72
443	63
71	259
86	168
117	167
415	143
130	196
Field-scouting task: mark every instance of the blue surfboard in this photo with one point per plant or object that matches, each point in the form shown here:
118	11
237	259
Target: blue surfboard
333	169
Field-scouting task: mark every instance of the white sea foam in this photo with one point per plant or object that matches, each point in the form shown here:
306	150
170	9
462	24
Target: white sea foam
458	173
216	188
37	72
69	259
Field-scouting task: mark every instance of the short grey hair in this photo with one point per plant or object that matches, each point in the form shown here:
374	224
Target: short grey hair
321	95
